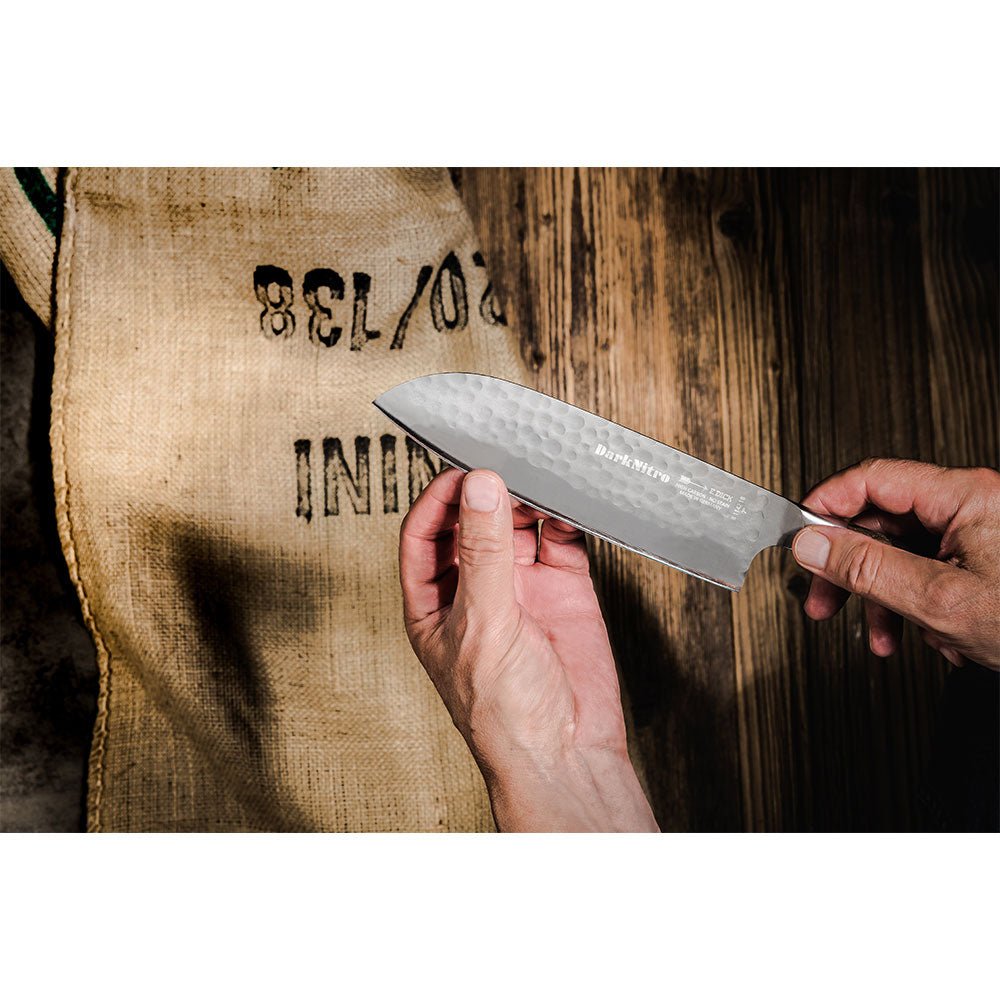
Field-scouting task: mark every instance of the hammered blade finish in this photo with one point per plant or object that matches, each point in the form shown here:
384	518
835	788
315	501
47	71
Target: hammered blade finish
597	475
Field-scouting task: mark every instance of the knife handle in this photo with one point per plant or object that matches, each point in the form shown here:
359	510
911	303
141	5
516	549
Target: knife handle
828	520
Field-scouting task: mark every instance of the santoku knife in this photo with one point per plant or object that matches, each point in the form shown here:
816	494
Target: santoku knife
603	478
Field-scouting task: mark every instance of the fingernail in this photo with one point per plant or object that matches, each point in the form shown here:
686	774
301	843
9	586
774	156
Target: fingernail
481	492
811	548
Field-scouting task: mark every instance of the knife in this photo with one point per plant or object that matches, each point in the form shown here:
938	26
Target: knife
599	476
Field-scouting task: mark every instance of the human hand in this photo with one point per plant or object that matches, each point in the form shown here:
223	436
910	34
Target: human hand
946	578
505	620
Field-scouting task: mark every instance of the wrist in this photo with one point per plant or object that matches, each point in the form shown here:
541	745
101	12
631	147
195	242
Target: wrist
578	790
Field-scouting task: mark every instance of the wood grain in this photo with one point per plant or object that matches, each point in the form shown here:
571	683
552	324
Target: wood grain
783	324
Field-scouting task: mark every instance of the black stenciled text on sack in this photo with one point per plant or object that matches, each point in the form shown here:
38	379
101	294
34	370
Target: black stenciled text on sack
338	484
323	288
345	483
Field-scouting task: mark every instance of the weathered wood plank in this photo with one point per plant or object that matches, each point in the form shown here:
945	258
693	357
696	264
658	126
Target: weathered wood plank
759	410
862	345
959	236
784	324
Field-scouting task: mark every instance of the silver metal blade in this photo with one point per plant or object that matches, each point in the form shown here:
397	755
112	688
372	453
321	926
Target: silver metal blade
609	481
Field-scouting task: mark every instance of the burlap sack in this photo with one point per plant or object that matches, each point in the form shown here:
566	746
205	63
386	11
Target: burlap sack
29	223
229	501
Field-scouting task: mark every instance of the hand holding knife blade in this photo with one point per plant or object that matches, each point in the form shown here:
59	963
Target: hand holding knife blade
599	476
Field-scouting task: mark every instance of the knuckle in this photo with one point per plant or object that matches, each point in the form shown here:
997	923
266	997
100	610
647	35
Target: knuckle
861	568
981	488
878	468
476	546
876	464
882	469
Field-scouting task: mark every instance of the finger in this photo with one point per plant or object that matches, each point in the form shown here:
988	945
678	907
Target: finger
524	515
885	629
436	509
562	547
893	525
932	640
904	529
931	492
824	600
485	546
526	545
923	590
427	548
939	645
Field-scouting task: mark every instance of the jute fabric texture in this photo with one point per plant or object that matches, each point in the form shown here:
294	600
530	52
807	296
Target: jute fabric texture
29	222
229	500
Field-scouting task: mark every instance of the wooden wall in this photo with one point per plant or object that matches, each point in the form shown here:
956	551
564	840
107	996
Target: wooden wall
782	324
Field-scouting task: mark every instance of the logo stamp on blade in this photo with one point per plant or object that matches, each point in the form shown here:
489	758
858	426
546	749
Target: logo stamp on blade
631	463
707	496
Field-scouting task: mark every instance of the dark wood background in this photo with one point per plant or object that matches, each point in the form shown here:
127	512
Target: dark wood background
783	324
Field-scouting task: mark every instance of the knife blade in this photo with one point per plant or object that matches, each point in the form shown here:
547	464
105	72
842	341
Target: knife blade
606	479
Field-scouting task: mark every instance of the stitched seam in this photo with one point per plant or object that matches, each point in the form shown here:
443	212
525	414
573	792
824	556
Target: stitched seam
60	387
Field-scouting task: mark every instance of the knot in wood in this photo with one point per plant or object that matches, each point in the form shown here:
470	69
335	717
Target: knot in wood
737	223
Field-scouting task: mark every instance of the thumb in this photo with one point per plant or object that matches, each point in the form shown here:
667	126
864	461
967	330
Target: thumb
485	545
908	584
